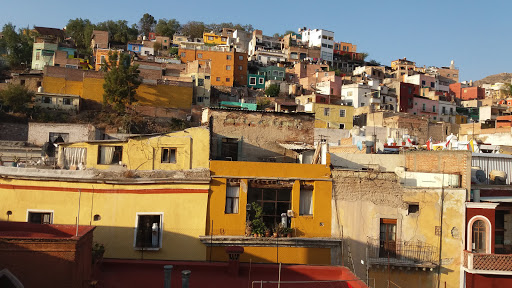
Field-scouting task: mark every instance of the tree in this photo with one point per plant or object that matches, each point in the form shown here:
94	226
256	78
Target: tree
167	28
374	63
173	51
121	81
272	90
146	24
193	29
119	30
16	97
81	31
364	55
18	46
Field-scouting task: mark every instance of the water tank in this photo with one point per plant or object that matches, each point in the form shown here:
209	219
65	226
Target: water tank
497	177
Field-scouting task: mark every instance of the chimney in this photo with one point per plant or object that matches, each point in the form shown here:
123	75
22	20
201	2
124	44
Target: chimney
185	275
167	276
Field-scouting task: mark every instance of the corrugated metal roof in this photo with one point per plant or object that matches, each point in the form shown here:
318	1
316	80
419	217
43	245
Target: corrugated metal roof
297	146
489	162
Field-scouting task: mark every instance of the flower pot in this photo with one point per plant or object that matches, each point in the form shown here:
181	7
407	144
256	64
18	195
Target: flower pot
274	235
289	235
255	235
267	233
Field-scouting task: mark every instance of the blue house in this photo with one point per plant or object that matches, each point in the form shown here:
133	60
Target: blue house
135	47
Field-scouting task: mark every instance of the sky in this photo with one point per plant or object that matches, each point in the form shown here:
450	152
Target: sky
431	33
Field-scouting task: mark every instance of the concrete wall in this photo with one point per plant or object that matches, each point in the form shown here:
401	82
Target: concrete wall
381	162
361	199
13	132
38	133
332	136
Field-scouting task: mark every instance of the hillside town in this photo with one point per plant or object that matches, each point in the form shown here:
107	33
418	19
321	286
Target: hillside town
161	154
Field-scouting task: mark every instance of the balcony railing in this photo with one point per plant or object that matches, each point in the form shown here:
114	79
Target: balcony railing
487	262
404	253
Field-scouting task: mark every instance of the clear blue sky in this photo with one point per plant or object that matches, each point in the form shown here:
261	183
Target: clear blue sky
431	33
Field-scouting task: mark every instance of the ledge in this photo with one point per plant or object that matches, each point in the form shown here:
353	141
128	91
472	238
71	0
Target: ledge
320	242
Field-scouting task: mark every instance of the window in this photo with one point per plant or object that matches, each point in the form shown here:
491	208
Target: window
435	118
362	104
39	83
342	112
38	55
66	101
443	110
261	81
200	99
281	74
210	38
22	82
228	79
479	237
148	232
229	149
349	93
183	54
432	84
200	82
223	39
433	108
342	126
232	194
228	67
47	100
326	111
135	48
454	75
424	107
240	57
110	155
199	55
413	208
387	238
168	155
228	57
240	68
40	217
306	200
57	137
274	73
252	80
207	77
274	200
218	78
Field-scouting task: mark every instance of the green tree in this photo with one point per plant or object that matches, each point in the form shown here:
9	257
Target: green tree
18	46
166	27
193	29
364	55
119	30
121	81
173	51
16	97
146	24
374	63
81	31
272	90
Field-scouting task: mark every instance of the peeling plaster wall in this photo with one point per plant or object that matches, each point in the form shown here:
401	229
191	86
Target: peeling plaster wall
361	199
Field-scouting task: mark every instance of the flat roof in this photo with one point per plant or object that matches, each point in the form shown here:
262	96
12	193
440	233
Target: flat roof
23	230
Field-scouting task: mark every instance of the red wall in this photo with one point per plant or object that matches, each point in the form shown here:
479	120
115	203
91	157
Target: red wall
407	91
480	281
472	92
489	214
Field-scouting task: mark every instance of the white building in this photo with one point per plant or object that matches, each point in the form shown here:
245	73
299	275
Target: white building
357	95
447	111
320	38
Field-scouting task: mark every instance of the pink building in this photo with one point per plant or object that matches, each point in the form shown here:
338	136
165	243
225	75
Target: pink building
425	107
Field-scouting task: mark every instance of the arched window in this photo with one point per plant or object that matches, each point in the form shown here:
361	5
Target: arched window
479	237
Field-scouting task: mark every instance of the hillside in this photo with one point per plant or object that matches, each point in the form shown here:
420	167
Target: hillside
491	79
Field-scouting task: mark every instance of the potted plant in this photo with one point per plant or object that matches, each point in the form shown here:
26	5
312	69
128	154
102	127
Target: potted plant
248	228
267	232
276	231
288	232
258	226
97	252
15	161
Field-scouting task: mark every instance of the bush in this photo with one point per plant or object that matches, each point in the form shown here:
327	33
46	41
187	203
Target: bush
16	97
272	90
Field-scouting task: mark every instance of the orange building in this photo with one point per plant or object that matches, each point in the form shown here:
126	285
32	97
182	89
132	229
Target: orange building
228	68
101	57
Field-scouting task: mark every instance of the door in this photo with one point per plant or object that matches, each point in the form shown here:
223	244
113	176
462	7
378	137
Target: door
387	241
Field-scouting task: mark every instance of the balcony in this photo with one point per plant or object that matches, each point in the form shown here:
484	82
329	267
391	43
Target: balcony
488	263
411	254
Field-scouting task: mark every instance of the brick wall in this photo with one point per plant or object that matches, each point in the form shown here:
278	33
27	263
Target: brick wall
450	162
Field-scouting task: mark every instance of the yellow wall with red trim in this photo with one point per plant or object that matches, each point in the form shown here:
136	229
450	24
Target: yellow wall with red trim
291	255
183	220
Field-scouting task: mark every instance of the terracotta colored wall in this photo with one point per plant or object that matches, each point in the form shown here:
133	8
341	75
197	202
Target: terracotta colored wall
489	214
479	280
219	61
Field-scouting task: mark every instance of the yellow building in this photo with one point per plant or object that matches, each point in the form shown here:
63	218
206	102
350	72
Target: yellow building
212	38
301	191
331	115
89	86
156	214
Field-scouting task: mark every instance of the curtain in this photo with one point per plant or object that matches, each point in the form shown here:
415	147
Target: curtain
306	202
73	156
107	154
232	193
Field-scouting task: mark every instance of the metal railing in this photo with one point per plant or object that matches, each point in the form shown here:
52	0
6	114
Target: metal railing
402	253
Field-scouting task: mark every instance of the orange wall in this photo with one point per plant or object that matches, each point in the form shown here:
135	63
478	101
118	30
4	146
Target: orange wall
295	255
219	61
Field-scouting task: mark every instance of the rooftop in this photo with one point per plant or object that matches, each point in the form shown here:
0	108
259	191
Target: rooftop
22	230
